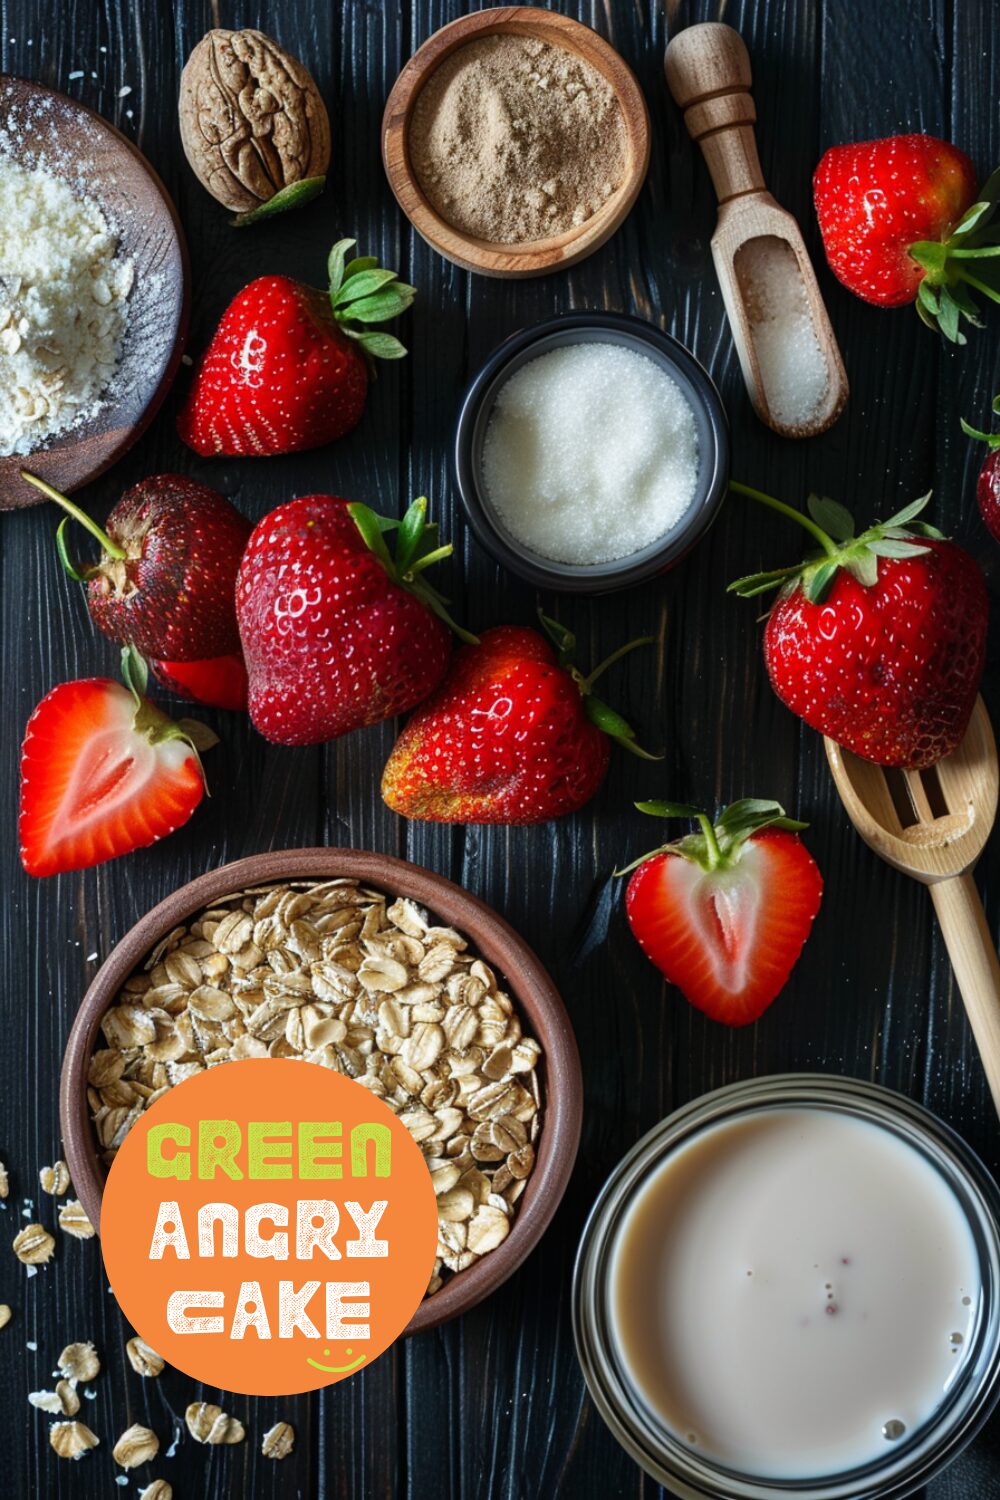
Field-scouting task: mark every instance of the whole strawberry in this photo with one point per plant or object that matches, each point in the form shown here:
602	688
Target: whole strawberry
288	366
988	484
902	221
879	640
166	577
514	735
338	633
724	913
220	681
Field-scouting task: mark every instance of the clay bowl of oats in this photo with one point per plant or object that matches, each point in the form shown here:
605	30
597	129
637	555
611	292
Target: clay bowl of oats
93	292
381	970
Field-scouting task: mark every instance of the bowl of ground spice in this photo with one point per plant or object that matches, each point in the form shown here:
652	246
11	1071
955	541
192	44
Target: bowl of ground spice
516	140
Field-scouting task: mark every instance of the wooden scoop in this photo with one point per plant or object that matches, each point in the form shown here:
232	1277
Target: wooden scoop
797	384
933	825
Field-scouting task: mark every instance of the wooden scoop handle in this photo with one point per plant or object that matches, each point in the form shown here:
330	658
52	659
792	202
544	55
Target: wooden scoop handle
973	957
708	73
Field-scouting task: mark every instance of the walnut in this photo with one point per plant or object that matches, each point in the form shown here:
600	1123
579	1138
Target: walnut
252	120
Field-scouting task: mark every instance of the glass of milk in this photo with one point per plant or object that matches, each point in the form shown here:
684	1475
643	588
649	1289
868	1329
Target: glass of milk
792	1287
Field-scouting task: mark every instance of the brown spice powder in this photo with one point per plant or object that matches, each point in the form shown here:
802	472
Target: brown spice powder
513	140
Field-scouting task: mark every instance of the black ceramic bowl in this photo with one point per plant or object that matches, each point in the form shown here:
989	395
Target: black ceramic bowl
713	451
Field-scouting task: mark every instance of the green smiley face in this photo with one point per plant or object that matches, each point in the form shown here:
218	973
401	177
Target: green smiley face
338	1369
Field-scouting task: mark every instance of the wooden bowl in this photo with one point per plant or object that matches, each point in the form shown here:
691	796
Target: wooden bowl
529	985
79	145
535	256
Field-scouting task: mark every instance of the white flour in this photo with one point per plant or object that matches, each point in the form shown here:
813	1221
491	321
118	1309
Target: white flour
63	306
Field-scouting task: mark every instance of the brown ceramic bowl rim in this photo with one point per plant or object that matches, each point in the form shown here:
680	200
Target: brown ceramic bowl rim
532	257
77	456
530	986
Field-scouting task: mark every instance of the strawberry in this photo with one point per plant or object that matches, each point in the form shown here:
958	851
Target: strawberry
219	682
988	484
902	221
879	640
724	913
167	574
288	366
103	772
337	632
514	735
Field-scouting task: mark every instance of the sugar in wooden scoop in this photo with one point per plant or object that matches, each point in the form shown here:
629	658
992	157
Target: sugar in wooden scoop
591	454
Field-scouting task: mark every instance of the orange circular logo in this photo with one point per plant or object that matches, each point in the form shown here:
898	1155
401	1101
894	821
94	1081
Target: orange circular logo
269	1226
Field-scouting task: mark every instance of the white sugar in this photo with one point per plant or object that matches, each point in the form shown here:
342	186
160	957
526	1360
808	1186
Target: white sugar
793	368
591	454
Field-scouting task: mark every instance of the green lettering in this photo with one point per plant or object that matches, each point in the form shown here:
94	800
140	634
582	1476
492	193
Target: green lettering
218	1143
178	1165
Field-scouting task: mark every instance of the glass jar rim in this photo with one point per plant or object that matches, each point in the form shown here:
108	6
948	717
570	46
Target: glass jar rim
932	1446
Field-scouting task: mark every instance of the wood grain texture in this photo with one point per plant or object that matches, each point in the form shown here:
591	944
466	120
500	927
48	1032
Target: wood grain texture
493	1407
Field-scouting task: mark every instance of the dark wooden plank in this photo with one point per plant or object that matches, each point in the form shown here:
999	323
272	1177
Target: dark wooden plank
495	1406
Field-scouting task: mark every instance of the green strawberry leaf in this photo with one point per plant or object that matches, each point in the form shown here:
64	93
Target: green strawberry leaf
927	297
908	512
381	306
832	516
948	318
292	196
411	532
367	523
135	673
611	723
864	567
360	263
564	640
890	547
199	735
361	285
668	809
817	585
381	345
335	265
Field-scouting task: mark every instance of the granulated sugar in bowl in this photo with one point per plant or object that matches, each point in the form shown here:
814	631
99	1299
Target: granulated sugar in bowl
591	453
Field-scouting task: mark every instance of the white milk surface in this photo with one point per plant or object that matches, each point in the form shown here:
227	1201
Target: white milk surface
789	1288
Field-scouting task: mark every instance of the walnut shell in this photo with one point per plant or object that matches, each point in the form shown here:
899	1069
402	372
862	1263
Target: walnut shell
252	119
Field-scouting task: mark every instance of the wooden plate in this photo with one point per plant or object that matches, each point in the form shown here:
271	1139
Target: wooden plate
79	145
526	978
535	256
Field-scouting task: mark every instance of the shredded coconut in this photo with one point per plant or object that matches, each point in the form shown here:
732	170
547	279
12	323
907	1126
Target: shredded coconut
63	306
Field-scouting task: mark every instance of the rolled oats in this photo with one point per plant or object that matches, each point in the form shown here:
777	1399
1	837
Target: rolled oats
55	1179
278	1440
158	1490
366	985
4	1183
72	1439
73	1220
137	1445
34	1245
62	1402
209	1424
5	1314
79	1362
144	1360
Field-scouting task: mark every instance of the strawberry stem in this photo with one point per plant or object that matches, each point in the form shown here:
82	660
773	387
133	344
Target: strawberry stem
712	850
586	683
825	541
110	547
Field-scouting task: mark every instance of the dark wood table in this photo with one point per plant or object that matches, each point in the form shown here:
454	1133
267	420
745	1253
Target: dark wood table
493	1407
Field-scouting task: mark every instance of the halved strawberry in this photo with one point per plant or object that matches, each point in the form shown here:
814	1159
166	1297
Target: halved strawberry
724	913
103	772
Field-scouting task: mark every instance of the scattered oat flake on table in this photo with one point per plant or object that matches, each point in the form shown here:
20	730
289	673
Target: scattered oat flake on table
79	1362
63	1401
158	1490
209	1424
72	1439
144	1360
55	1179
137	1445
278	1440
4	1183
5	1314
73	1221
34	1245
